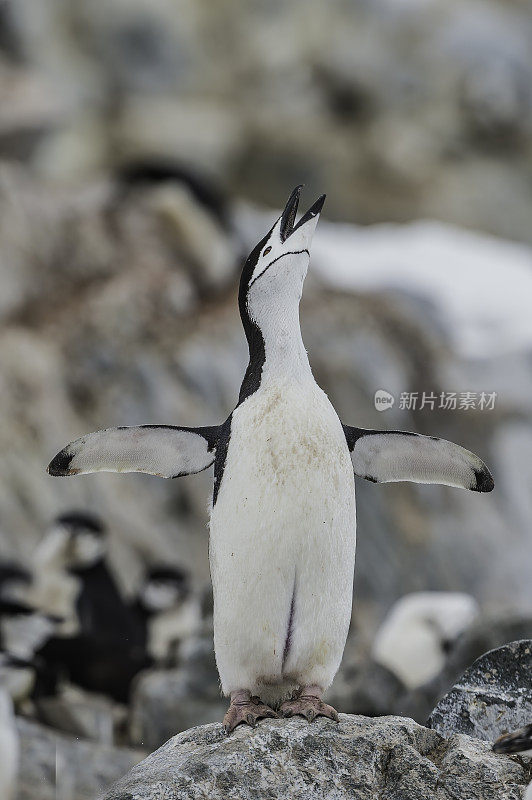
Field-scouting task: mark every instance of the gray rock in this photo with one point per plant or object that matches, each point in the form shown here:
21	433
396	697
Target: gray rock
487	633
80	714
166	702
427	107
492	697
54	766
387	758
368	688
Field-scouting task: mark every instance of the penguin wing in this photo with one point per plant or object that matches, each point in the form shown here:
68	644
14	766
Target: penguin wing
389	456
164	450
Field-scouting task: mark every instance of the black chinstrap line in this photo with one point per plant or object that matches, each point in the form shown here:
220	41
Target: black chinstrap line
291	253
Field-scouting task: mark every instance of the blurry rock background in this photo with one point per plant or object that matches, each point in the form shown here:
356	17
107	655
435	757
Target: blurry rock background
118	287
399	109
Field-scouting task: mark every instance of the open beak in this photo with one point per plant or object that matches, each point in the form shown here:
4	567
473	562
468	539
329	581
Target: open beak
288	217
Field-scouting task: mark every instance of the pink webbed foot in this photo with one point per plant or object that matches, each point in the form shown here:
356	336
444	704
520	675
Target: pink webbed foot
308	704
246	710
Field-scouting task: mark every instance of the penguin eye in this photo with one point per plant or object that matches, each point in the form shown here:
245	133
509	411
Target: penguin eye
266	251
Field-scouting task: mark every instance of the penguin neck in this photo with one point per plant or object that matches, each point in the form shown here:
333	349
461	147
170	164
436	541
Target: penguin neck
276	350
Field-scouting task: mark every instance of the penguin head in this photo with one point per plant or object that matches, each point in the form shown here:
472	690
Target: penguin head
69	537
80	520
164	588
84	539
277	266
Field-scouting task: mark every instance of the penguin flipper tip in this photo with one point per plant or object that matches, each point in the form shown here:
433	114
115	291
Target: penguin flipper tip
60	465
483	480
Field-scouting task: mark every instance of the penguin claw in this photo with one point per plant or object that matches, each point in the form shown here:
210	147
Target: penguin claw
246	713
309	707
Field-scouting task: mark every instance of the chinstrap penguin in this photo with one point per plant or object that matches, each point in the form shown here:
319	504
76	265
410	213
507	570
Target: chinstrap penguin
72	537
282	527
168	611
24	629
104	650
25	636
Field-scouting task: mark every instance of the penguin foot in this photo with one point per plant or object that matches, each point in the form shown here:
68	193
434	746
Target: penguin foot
308	704
246	710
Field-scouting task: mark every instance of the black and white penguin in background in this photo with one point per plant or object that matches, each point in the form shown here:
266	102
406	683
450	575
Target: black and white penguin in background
76	536
101	652
24	633
282	527
168	612
517	742
24	629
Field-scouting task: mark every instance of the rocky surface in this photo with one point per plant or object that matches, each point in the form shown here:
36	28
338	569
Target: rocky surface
362	686
492	697
408	109
490	632
366	688
138	287
166	702
81	714
54	766
387	758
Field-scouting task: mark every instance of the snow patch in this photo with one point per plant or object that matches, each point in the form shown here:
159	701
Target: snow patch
481	286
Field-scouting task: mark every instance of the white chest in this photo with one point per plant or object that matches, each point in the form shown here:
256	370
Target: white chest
282	538
287	456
